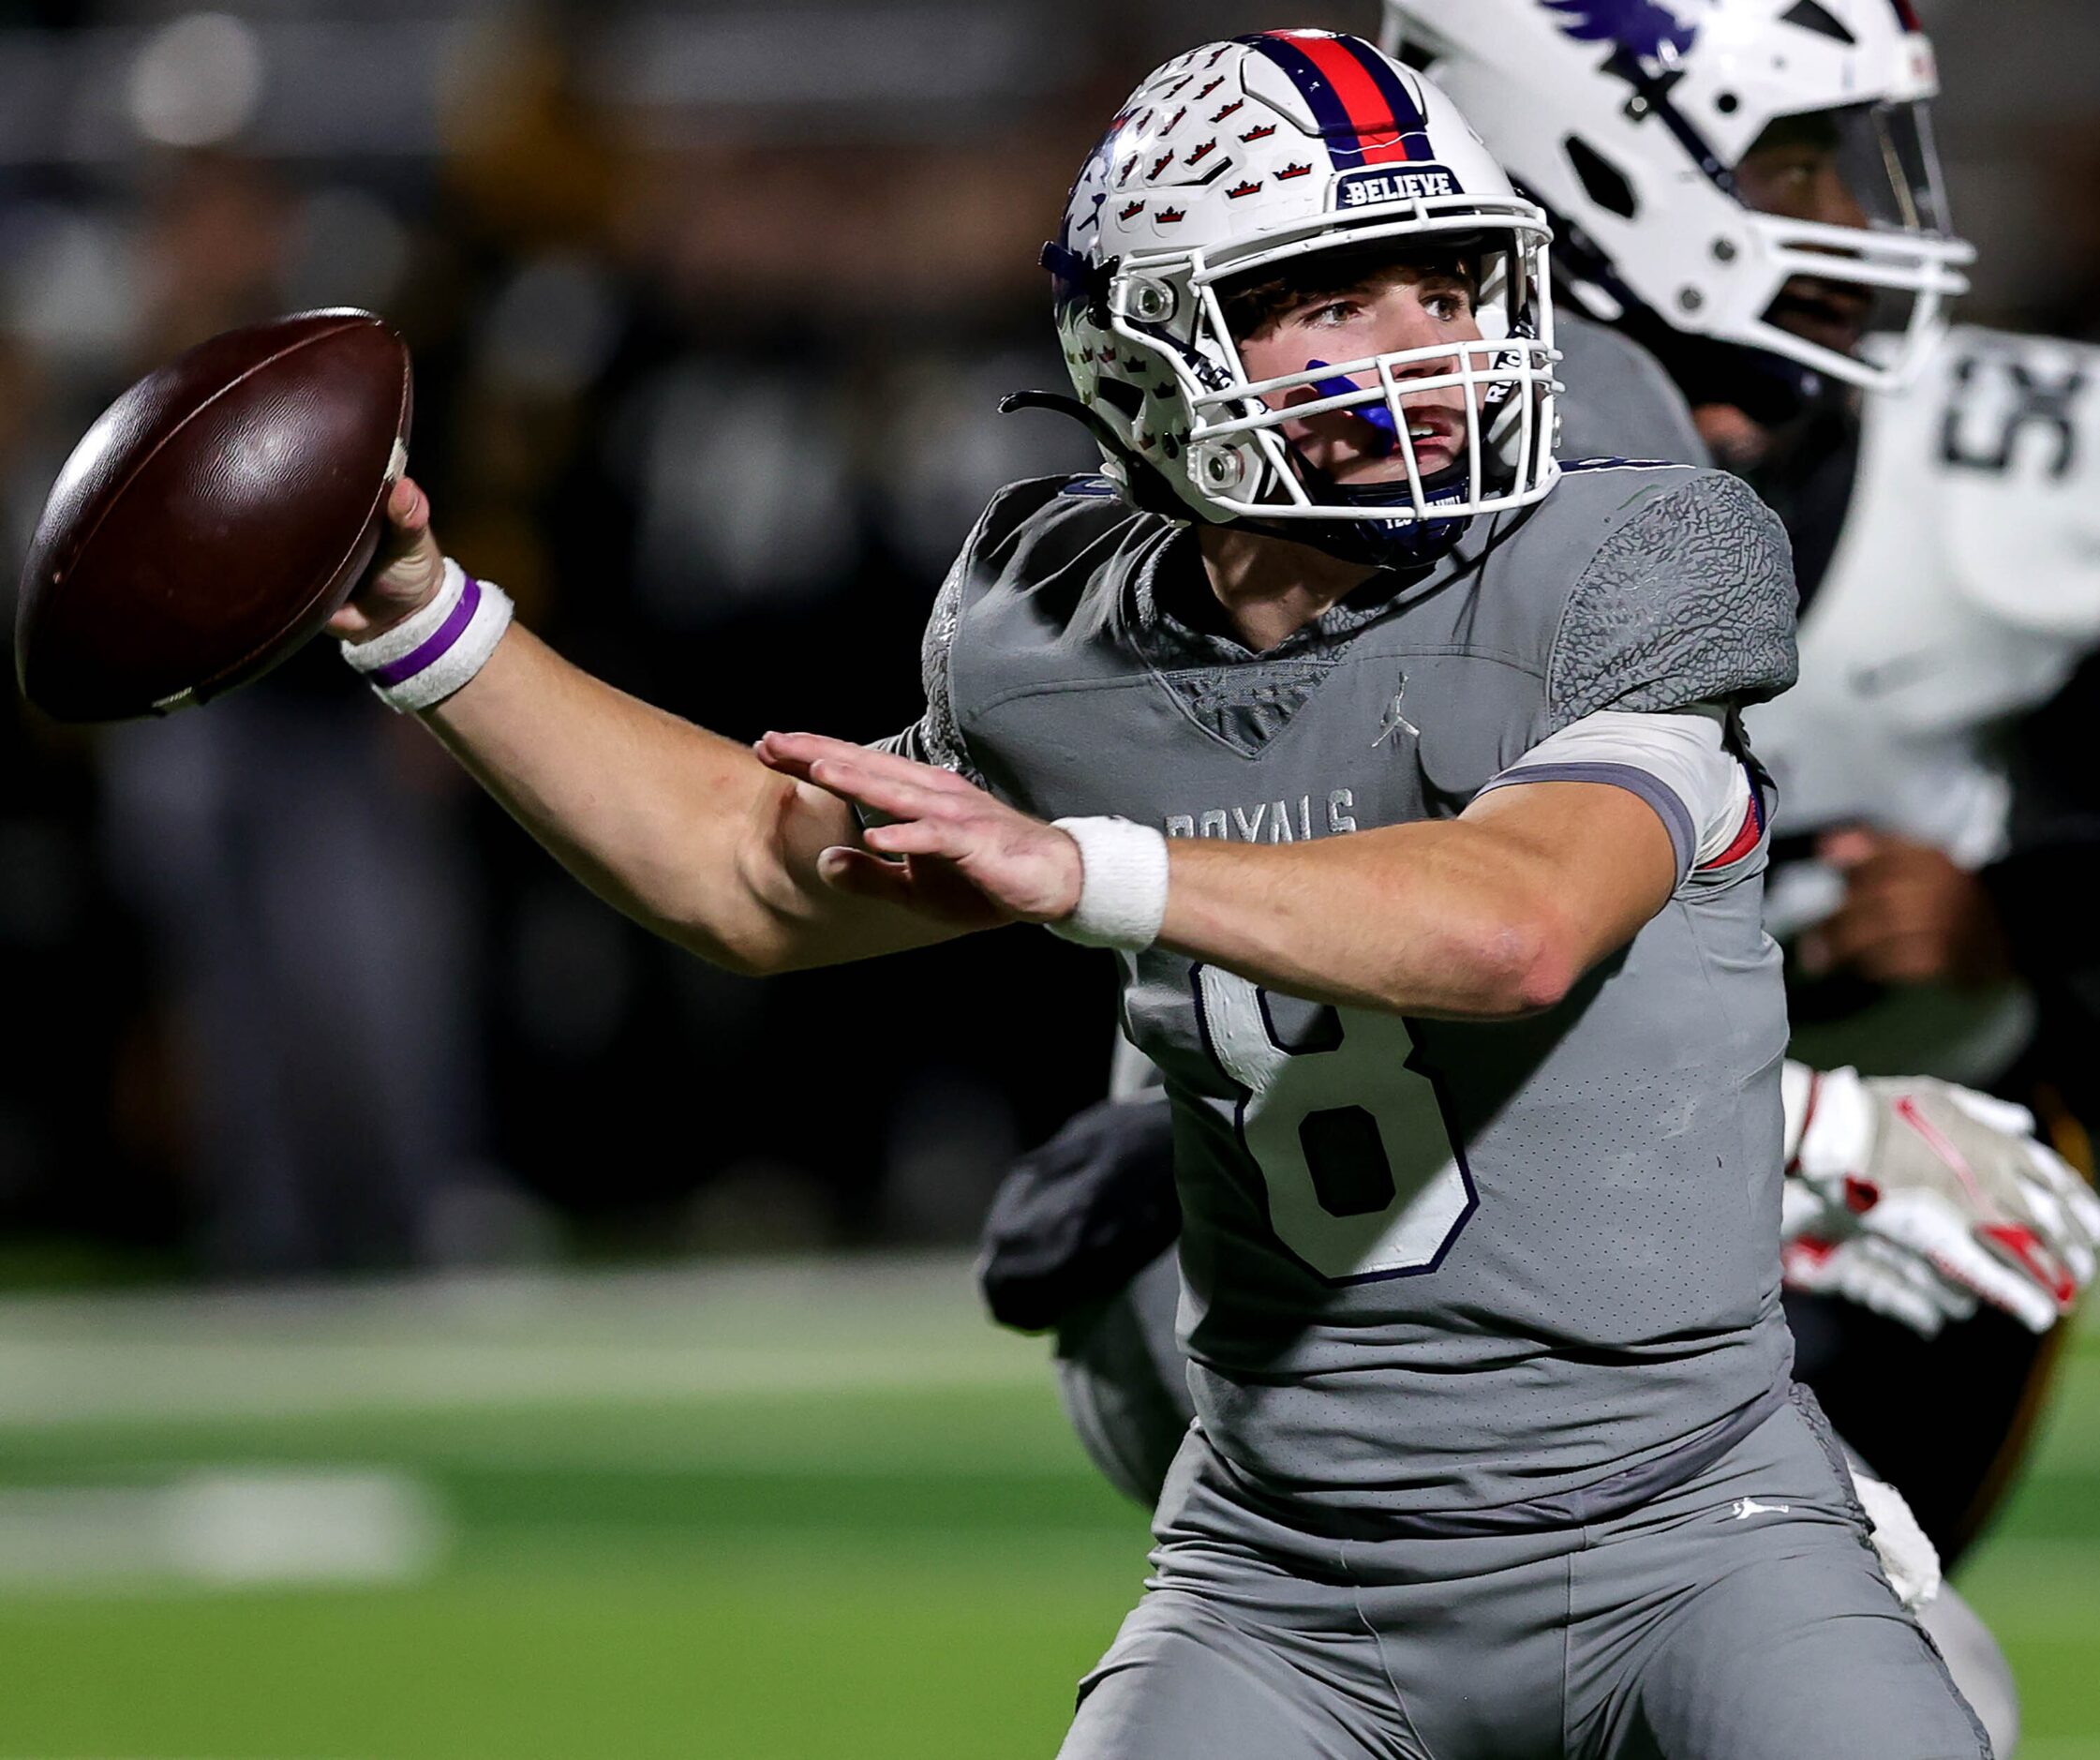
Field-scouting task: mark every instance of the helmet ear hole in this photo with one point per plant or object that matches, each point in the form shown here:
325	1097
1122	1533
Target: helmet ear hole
1120	395
1603	182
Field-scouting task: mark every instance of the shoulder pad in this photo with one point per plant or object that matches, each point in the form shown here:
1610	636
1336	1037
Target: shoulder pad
1037	531
1684	596
2004	433
1000	546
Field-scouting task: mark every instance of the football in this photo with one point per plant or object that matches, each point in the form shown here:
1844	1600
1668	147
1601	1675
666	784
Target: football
214	518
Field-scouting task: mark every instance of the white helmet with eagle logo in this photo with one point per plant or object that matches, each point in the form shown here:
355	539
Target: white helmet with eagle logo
1628	120
1237	161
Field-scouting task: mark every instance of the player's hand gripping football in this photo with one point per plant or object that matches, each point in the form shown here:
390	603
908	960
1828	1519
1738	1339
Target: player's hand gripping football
966	858
405	573
1919	1200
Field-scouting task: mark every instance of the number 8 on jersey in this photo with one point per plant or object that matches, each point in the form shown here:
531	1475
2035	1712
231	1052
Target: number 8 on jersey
1364	1179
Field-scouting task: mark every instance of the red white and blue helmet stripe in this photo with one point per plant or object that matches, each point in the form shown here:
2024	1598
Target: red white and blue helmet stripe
1361	105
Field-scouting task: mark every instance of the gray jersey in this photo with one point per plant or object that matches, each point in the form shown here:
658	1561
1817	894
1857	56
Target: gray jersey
1620	403
1431	1266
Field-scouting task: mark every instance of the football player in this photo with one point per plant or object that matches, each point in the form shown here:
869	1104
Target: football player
1474	1074
1698	172
2015	1239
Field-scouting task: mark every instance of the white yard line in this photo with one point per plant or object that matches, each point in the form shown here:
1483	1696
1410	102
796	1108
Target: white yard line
793	1327
234	1527
41	1385
842	1285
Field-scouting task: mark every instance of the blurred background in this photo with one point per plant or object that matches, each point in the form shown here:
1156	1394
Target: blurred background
434	1318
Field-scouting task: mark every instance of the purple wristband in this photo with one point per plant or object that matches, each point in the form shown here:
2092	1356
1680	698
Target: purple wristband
437	645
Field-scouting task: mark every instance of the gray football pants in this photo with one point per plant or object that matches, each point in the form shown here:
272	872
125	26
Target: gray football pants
1741	1616
1125	1384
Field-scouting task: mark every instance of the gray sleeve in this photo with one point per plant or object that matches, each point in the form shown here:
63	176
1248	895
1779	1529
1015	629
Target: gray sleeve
1620	403
936	736
1692	600
1683	764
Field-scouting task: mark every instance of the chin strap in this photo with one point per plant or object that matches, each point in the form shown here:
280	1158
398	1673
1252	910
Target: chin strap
1401	543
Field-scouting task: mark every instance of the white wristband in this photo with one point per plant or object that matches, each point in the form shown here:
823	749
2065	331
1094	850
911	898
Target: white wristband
424	659
1123	885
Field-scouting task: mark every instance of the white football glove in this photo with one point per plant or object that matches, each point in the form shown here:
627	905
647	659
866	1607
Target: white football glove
1919	1200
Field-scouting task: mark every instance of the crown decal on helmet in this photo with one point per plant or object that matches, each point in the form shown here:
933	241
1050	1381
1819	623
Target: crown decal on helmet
1642	27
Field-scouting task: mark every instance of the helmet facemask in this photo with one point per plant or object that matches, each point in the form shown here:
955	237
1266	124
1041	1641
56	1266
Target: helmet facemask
1891	275
1636	124
1239	458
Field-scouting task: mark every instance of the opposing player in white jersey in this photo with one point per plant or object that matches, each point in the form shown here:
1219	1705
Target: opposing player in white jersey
1742	191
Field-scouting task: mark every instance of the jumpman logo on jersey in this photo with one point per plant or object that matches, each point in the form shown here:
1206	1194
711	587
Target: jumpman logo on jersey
1747	1507
1395	722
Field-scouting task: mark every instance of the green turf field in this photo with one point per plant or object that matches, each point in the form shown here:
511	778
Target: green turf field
747	1515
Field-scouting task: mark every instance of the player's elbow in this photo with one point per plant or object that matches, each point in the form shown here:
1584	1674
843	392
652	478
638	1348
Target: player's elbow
1548	972
737	960
1523	959
748	931
750	916
743	922
740	942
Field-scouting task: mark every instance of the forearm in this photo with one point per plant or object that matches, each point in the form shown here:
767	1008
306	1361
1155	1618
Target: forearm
1497	913
1429	918
682	830
687	832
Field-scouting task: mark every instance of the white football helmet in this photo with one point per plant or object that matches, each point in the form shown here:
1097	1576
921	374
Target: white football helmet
1628	119
1240	157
